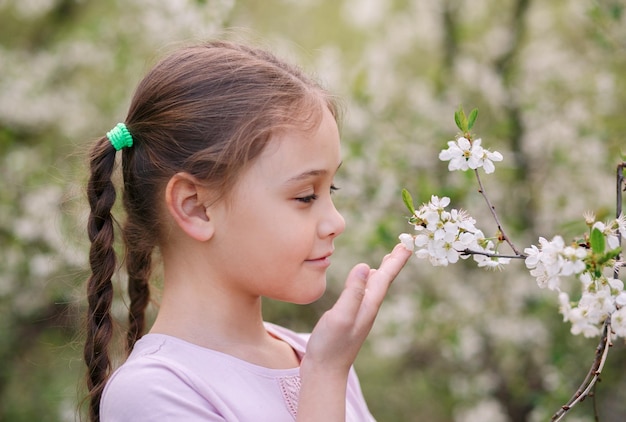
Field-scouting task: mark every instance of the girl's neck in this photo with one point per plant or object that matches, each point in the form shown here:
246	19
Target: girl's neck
226	332
209	317
214	318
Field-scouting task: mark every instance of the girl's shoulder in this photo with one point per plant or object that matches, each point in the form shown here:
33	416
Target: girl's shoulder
152	382
156	359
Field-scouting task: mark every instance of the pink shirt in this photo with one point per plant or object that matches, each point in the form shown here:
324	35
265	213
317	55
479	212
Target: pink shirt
168	379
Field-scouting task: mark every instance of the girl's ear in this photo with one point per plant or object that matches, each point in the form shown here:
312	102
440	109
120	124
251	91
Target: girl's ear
185	199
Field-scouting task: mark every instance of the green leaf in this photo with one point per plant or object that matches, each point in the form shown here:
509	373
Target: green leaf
408	201
460	119
597	241
472	119
457	120
614	253
609	255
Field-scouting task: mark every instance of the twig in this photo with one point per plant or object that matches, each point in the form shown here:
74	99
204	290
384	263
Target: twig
491	254
592	376
492	209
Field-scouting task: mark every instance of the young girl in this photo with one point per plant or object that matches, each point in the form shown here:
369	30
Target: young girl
228	160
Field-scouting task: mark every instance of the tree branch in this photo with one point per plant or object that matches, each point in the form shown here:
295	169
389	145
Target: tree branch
592	376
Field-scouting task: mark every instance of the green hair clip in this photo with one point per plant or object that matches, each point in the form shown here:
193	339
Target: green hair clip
120	137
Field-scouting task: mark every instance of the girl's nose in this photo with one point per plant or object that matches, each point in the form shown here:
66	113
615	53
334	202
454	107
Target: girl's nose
333	223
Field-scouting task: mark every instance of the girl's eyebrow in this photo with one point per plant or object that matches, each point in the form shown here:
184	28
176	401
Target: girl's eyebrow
311	173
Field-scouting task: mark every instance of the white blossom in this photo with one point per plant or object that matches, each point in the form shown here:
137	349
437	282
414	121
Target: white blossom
443	236
620	222
609	233
464	155
407	241
581	324
553	260
618	322
490	262
620	299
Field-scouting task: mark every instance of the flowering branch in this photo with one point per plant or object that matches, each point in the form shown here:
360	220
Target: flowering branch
443	236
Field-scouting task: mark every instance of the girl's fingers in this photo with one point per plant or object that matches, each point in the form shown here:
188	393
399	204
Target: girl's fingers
351	297
370	285
379	280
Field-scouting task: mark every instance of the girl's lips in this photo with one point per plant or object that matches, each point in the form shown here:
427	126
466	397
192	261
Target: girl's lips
321	262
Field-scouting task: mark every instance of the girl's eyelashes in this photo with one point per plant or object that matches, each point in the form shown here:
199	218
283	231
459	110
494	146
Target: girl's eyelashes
310	198
307	199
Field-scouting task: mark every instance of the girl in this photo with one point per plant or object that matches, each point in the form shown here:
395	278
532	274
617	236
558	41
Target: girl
228	163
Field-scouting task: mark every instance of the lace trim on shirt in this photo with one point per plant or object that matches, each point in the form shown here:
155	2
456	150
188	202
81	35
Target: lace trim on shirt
290	387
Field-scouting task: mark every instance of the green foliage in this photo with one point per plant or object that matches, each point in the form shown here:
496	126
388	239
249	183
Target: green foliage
600	256
408	201
597	241
463	122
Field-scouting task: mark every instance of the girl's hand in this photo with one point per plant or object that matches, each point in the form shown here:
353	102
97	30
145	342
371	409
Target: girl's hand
339	335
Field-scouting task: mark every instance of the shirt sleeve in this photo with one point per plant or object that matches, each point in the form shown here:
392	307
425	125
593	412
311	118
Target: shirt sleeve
150	391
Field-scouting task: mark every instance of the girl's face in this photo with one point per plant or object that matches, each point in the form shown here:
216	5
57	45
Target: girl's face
274	237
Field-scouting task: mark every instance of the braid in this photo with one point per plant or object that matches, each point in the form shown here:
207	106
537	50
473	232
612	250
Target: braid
138	265
101	196
140	235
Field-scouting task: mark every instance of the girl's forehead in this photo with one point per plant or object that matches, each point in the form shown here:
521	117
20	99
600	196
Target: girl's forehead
290	153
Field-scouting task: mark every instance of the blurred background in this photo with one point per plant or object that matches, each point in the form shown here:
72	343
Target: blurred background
455	344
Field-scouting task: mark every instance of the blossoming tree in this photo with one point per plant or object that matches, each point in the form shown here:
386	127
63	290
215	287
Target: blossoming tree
444	236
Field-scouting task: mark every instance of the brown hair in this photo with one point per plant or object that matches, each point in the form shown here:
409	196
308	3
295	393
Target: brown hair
207	110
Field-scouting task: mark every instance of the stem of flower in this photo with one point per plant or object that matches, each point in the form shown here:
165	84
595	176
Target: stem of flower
492	209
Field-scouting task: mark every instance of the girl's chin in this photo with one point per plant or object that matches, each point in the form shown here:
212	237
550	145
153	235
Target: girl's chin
310	295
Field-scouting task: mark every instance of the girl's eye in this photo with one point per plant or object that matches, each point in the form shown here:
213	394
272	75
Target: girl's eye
307	199
310	198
